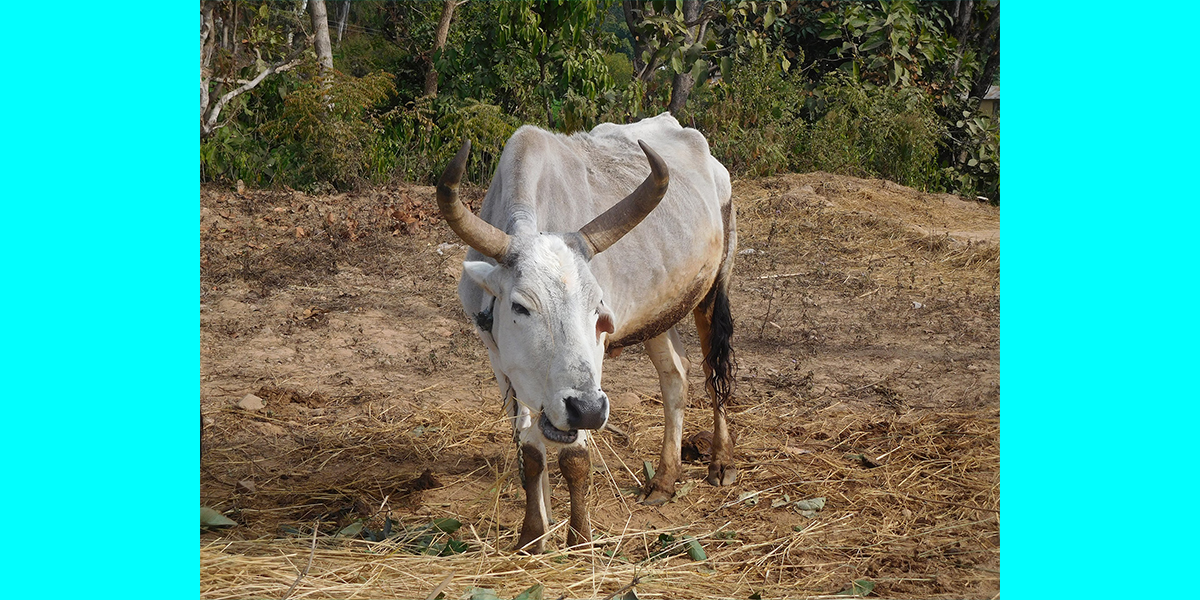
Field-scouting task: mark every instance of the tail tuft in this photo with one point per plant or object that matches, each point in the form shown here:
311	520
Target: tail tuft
720	352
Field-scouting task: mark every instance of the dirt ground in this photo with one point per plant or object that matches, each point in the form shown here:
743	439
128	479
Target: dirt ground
867	342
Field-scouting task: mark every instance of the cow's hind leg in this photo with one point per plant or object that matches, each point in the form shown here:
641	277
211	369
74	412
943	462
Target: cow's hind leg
714	324
533	531
576	469
670	359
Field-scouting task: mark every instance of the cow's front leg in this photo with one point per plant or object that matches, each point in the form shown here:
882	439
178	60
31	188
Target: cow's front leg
670	359
576	469
533	531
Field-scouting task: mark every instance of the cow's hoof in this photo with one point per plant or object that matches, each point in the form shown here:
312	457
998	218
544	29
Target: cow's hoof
658	492
720	474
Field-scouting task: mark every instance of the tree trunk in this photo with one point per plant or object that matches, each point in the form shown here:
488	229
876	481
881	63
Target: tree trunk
206	54
320	23
443	31
682	83
343	13
632	21
964	21
990	42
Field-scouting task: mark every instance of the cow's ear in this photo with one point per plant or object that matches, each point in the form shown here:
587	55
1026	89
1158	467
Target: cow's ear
604	324
479	271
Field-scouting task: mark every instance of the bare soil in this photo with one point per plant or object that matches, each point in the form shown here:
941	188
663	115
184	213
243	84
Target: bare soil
867	340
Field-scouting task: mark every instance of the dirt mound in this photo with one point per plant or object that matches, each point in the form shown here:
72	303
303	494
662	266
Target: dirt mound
867	337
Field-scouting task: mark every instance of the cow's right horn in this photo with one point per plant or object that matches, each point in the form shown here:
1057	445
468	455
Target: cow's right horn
476	232
612	224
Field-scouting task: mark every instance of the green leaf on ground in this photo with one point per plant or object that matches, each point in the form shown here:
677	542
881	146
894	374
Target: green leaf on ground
859	587
351	530
533	593
684	489
212	519
694	549
447	525
477	593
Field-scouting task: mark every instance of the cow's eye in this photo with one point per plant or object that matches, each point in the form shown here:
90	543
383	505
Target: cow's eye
520	310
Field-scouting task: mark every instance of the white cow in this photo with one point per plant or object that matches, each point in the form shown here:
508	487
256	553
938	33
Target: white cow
551	286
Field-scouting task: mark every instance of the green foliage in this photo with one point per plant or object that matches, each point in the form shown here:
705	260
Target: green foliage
620	69
752	118
871	131
331	127
428	132
979	159
869	89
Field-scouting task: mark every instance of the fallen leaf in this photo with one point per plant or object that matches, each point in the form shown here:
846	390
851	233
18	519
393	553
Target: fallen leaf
859	587
476	593
447	525
811	504
684	489
212	519
533	593
351	530
694	549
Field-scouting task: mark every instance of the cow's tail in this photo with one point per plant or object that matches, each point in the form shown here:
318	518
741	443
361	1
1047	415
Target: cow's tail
720	351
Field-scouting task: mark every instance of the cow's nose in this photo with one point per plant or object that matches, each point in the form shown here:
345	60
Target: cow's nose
587	411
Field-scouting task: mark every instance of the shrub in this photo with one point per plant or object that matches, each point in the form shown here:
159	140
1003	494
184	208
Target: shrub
751	117
333	131
874	131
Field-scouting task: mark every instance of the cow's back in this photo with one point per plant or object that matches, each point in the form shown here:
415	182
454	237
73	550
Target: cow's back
661	269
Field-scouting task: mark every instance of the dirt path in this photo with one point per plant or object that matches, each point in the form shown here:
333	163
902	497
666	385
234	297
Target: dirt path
867	336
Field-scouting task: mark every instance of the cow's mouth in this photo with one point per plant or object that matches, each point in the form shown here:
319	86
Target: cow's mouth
554	434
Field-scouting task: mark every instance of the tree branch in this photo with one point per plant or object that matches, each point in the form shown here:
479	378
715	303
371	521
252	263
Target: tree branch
208	126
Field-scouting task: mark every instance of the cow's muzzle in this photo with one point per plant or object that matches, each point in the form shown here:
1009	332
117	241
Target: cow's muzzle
587	411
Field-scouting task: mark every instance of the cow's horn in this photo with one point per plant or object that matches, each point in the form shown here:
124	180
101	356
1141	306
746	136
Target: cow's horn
606	229
476	232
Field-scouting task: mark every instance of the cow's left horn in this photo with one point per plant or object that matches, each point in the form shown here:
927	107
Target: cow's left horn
476	232
606	229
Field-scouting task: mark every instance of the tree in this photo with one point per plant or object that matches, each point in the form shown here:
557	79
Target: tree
682	83
270	49
439	42
320	24
677	35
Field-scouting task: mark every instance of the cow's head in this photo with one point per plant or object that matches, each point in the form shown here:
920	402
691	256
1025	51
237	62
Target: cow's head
545	311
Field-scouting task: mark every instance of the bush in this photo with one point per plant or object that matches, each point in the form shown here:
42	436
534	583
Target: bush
332	130
750	117
874	131
428	132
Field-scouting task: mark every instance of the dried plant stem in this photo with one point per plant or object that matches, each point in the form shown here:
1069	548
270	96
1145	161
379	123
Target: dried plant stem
311	552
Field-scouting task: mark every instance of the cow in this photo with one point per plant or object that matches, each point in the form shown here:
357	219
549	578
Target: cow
560	271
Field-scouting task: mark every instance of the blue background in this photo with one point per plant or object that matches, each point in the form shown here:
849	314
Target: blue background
101	262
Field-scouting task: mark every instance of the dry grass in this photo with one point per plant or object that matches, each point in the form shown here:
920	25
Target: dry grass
926	514
846	392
